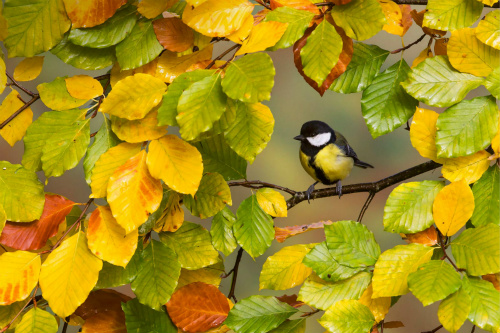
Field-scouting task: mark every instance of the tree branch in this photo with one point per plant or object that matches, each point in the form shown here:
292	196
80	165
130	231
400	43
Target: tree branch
424	3
365	206
18	112
14	82
235	275
257	184
445	255
409	45
435	330
222	55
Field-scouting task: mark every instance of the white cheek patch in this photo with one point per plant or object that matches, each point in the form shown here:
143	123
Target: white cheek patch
320	139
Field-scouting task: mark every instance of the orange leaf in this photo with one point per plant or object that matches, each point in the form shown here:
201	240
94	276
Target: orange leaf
297	4
197	307
427	237
398	17
493	278
281	234
34	235
406	21
109	321
418	17
170	65
89	13
173	34
101	301
117	74
290	300
440	46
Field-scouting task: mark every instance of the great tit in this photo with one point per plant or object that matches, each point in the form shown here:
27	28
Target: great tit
326	155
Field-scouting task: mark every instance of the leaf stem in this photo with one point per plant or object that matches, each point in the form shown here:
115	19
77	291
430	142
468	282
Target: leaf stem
441	244
307	314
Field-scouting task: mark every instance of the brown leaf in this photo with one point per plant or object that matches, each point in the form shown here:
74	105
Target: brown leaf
104	300
297	4
290	300
339	2
89	13
427	237
106	322
281	234
34	235
393	324
493	278
406	21
418	17
197	307
440	46
173	34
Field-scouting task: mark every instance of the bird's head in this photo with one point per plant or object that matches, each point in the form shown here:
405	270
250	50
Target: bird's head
316	133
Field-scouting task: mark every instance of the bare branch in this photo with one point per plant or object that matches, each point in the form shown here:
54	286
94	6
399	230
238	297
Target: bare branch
18	112
365	206
435	330
222	55
235	275
14	82
257	184
409	45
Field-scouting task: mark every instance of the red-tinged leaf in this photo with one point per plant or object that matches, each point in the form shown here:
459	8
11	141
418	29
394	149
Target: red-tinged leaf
427	237
393	324
106	322
197	307
257	18
34	235
407	20
340	2
440	46
297	4
89	13
418	17
494	279
281	234
173	34
290	300
104	300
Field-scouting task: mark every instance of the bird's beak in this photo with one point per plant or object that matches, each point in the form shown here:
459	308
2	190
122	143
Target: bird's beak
299	137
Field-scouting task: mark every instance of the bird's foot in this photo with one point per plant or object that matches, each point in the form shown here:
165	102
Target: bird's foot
339	189
309	191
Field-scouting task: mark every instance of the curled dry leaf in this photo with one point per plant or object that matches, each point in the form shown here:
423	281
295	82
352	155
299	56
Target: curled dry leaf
418	17
86	14
427	237
290	300
281	234
440	46
101	301
173	34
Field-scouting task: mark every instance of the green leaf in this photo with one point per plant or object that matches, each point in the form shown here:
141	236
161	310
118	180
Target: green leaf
453	311
221	125
115	276
253	228
434	281
210	275
394	266
140	47
298	21
3	219
351	244
21	193
451	14
361	19
109	33
211	197
485	308
84	57
258	314
487	198
432	80
322	295
142	319
323	263
37	320
250	79
8	312
104	139
467	127
409	207
55	95
221	231
157	275
200	106
348	316
192	244
363	68
291	326
492	83
488	30
249	134
34	26
478	250
385	105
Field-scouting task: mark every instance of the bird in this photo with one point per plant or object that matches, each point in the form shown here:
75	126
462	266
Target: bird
325	155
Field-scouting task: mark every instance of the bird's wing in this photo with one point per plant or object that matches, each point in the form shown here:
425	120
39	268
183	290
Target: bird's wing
342	143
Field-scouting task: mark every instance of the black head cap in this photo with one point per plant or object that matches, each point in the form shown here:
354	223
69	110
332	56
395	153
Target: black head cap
314	127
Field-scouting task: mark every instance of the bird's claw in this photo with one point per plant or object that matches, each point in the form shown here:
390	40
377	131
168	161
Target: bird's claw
309	191
339	189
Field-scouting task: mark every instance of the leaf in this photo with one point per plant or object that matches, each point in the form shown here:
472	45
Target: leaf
16	128
100	301
3	219
258	314
486	198
291	326
361	19
8	312
83	87
172	216
477	250
34	26
297	4
250	79
38	320
211	197
351	244
468	55
91	13
453	311
153	8
397	17
229	16
283	234
3	76
272	202
105	321
21	193
298	21
322	295
249	133
243	32
253	228
221	231
210	274
364	66
441	46
348	316
139	130
284	269
193	246
488	31
467	168
157	275
466	127
394	266
262	36
426	53
379	307
134	96
450	15
173	34
423	133
142	319
492	82
28	69
55	95
171	66
20	271
385	105
432	80
176	162
84	57
426	237
107	34
409	206
114	276
34	235
68	275
484	309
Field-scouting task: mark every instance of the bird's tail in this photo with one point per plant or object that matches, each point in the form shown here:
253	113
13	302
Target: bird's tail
362	164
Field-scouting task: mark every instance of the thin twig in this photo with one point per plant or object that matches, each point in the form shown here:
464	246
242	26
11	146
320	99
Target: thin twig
307	314
93	134
473	329
102	77
445	255
101	98
435	330
232	58
235	275
260	2
65	327
382	326
222	55
14	82
424	3
18	314
18	112
329	4
409	45
256	184
365	206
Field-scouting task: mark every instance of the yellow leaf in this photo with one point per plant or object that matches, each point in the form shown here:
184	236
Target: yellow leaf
138	130
453	207
489	2
89	13
133	193
170	65
16	128
426	53
117	74
107	239
210	275
398	18
18	276
263	35
3	25
68	275
107	164
495	142
378	306
134	96
83	87
272	202
423	133
229	16
177	163
153	8
3	76
468	168
56	97
28	69
468	55
173	216
488	29
242	33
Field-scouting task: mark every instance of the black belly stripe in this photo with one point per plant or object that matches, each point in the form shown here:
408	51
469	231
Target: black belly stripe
319	173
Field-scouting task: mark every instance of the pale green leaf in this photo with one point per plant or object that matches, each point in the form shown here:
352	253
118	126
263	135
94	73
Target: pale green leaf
211	197
55	95
488	29
221	231
487	198
348	316
361	19
84	57
485	307
451	14
37	320
492	83
3	219
142	319
8	312
291	326
221	125
298	21
453	311
114	276
210	275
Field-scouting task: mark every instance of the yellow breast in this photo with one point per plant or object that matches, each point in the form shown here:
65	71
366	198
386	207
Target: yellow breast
333	162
